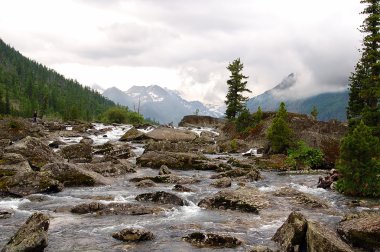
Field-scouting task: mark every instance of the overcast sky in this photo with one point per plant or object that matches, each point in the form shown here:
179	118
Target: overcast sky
187	44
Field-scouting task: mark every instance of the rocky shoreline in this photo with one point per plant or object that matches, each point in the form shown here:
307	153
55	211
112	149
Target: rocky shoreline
171	169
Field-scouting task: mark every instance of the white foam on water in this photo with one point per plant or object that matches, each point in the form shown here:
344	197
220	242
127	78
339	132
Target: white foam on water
121	199
70	140
13	203
113	134
199	130
147	130
267	188
306	189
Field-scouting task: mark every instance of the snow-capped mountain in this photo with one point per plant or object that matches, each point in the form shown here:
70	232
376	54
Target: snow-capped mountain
161	104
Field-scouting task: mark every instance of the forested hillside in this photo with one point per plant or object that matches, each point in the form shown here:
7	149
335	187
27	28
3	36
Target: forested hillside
27	86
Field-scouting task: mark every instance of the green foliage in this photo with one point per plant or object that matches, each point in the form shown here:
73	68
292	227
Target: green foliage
196	112
237	83
303	155
122	115
26	86
359	163
258	116
314	112
365	81
279	133
234	145
244	121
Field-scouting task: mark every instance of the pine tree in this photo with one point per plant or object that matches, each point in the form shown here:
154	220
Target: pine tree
279	133
364	98
359	163
258	116
314	112
236	86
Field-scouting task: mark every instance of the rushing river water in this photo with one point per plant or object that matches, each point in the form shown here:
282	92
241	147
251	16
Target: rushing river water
71	232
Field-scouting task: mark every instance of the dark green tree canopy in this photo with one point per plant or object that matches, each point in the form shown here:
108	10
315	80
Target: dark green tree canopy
237	83
364	99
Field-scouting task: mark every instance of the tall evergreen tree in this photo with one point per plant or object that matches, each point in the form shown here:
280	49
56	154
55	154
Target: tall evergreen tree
279	133
364	99
236	86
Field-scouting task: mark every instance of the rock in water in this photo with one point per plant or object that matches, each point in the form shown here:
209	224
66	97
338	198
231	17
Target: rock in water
132	134
170	134
321	239
133	235
222	183
164	170
362	230
291	235
36	152
12	163
115	209
80	151
247	199
32	236
212	240
161	197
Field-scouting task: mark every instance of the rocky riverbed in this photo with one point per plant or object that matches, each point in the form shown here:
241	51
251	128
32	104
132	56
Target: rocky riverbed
162	190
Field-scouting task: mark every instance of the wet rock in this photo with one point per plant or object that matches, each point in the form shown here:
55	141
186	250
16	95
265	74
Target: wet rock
301	198
133	235
321	239
12	163
116	151
169	179
72	175
177	161
145	183
15	129
291	235
362	230
54	126
212	240
55	144
248	174
132	135
161	197
273	162
5	214
245	199
222	183
246	163
181	188
77	151
86	140
23	184
36	152
115	209
260	248
32	235
164	170
109	168
171	134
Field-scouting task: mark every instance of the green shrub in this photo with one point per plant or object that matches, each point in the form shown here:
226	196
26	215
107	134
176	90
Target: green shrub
303	155
234	145
359	163
121	115
279	133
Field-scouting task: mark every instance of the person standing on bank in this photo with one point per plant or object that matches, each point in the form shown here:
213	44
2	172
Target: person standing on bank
35	116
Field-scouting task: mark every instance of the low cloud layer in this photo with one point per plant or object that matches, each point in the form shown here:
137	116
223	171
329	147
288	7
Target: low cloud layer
186	45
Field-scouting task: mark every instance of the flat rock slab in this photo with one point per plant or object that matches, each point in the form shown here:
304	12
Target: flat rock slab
115	209
199	239
133	235
161	198
244	199
301	198
171	134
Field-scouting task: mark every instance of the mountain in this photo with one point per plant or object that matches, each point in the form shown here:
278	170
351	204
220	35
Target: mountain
27	86
160	104
330	105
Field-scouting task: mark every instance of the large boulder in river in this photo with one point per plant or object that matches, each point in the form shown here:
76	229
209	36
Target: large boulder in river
168	179
178	161
161	197
15	129
35	151
72	175
301	198
248	174
12	163
32	235
112	168
244	199
222	183
291	235
132	134
319	238
164	170
115	209
199	239
171	134
133	235
299	234
23	184
201	121
362	230
80	151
